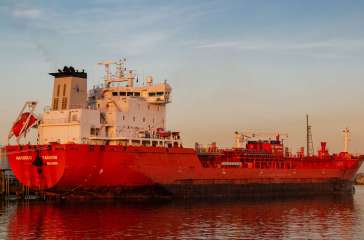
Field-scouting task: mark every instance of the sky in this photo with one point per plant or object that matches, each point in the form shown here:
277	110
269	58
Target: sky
233	65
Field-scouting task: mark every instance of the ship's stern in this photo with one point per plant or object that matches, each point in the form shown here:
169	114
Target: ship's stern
39	167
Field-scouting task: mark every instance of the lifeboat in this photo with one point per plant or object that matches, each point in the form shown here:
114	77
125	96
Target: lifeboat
26	121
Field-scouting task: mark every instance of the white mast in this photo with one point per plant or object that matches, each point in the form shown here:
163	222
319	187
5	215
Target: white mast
239	138
346	132
107	71
120	73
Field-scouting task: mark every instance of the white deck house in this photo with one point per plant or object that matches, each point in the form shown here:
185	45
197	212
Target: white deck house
117	113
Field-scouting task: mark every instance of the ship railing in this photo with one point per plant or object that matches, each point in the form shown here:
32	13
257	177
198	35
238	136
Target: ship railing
158	100
76	106
212	148
97	86
208	150
60	121
147	135
137	141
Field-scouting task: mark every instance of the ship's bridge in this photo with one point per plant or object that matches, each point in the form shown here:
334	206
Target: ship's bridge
159	94
154	94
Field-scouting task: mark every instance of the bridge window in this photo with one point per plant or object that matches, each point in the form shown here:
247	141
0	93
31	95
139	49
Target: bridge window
55	104
137	94
64	89
94	131
115	94
130	93
64	103
58	90
74	117
151	94
160	93
122	93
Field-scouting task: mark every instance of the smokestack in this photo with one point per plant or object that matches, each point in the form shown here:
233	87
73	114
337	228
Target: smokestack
69	89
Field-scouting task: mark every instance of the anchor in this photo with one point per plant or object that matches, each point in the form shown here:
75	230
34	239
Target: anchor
38	162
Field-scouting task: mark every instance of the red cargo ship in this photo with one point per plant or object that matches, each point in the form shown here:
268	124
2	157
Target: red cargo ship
111	142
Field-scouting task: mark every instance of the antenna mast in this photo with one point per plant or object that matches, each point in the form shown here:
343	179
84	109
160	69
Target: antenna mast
107	77
310	150
346	132
120	73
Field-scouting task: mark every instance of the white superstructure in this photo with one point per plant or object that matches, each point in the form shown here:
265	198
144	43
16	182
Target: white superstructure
119	112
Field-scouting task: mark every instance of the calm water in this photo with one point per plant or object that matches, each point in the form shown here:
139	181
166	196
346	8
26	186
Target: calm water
322	218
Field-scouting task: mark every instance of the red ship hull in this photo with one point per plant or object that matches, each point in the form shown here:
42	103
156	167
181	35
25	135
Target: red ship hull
117	171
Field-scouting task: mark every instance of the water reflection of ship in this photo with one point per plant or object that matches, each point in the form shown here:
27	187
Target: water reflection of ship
302	218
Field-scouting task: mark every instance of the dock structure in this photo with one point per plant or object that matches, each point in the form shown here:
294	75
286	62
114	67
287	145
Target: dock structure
10	188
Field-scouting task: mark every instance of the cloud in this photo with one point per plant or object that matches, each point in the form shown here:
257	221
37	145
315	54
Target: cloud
139	43
272	46
31	13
